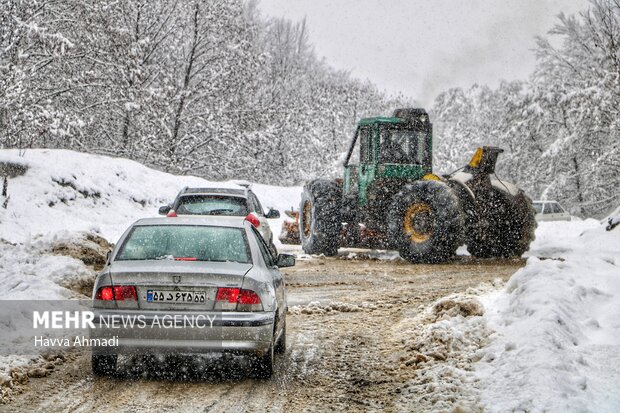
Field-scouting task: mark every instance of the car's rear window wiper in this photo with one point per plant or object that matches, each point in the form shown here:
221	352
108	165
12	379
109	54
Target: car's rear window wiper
162	257
220	211
172	257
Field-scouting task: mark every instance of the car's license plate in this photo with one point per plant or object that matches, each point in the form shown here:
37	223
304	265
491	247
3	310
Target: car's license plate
167	296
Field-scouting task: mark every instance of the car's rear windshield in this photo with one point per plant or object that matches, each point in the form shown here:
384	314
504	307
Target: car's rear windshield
212	205
185	242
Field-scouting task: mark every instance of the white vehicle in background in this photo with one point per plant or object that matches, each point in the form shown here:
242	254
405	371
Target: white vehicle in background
550	211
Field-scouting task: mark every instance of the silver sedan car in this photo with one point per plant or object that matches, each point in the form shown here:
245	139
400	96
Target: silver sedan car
190	285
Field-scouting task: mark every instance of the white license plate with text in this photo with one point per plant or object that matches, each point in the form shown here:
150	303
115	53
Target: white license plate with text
168	296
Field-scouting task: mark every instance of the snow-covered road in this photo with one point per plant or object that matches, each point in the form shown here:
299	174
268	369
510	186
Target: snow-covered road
345	352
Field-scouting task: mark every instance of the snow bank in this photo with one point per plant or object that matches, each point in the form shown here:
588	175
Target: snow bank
316	307
549	340
67	190
30	271
440	346
36	269
27	273
558	239
556	345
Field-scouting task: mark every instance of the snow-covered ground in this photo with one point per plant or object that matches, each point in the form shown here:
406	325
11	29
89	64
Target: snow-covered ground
67	190
556	345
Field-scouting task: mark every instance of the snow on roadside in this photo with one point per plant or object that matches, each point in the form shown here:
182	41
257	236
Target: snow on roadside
30	271
558	238
316	307
556	345
547	341
67	190
361	254
440	345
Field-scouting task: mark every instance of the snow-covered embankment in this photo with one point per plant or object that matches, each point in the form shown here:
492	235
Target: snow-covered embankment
556	345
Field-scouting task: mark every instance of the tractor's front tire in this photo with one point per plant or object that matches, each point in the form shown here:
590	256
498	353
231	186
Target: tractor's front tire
319	217
503	225
425	222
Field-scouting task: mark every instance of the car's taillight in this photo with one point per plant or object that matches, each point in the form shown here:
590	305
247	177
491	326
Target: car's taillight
171	214
248	297
125	292
118	293
253	219
105	294
237	299
227	294
249	301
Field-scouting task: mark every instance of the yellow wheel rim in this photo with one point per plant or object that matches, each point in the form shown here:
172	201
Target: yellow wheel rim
307	214
419	222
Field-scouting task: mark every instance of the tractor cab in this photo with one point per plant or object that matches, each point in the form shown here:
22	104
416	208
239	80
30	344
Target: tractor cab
388	148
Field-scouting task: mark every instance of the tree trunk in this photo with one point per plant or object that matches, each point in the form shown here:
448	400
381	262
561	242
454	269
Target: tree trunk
578	184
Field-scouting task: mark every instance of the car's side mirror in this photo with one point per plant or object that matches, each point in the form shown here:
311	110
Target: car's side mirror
164	209
108	256
272	213
285	260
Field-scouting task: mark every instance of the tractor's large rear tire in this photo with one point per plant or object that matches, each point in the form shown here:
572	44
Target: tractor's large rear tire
503	224
425	222
319	217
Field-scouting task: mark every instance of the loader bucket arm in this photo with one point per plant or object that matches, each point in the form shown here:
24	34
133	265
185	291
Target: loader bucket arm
484	160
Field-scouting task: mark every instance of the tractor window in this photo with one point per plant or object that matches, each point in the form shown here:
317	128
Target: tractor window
354	159
364	140
402	146
360	152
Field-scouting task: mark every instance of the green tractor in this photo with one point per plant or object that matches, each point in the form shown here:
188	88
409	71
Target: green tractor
390	199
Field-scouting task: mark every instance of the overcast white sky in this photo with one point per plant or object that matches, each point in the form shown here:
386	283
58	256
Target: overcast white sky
422	47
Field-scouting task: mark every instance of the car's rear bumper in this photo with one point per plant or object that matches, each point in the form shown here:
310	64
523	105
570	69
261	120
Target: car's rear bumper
181	332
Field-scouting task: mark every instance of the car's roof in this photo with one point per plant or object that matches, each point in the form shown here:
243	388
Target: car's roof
215	220
209	191
547	201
